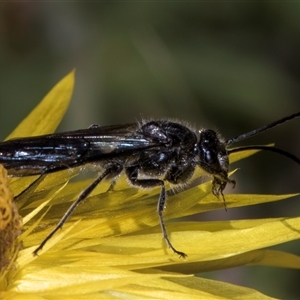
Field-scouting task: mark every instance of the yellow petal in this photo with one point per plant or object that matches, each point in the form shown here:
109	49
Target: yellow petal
46	116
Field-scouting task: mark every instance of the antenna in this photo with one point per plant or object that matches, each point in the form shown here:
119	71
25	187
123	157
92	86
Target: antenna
266	148
261	129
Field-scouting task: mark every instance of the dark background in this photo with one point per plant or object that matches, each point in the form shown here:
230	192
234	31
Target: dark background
231	66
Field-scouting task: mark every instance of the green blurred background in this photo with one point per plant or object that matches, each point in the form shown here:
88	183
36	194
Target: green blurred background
231	66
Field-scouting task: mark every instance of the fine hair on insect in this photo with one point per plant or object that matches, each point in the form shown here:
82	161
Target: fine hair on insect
149	153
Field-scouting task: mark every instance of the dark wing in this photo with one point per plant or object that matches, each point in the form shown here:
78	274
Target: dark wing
34	155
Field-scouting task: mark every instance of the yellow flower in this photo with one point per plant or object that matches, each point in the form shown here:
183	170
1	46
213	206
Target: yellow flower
112	246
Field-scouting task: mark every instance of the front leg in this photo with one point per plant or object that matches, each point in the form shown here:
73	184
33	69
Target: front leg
132	174
218	186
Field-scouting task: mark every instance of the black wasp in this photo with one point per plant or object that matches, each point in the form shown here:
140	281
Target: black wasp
149	153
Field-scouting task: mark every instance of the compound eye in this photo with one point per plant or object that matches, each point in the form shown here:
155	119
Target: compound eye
210	158
208	142
211	152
